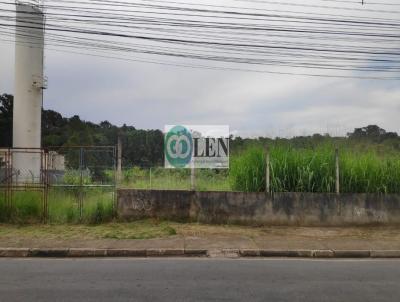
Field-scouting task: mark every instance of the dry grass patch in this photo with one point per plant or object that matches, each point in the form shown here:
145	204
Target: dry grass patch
200	230
144	229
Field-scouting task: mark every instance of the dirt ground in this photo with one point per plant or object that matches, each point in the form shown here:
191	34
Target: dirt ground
155	234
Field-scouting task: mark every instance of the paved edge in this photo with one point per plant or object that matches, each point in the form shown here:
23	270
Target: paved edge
215	253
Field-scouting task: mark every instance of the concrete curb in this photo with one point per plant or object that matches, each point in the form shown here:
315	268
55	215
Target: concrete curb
94	252
214	253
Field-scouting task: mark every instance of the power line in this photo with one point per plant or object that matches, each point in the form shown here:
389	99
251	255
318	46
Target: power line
216	35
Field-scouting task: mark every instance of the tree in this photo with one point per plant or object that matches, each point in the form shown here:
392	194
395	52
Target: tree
6	113
372	132
53	128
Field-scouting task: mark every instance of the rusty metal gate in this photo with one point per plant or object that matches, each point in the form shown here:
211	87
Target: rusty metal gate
64	180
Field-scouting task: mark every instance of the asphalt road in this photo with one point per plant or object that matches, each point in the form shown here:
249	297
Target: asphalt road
198	280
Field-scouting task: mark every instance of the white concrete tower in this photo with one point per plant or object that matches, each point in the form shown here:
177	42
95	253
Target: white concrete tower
28	93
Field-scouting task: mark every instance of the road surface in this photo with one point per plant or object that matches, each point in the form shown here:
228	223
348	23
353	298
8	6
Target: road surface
199	280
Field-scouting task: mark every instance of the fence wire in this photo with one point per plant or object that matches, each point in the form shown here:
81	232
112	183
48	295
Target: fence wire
58	184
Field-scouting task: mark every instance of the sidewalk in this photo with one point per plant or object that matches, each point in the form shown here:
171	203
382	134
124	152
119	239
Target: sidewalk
219	241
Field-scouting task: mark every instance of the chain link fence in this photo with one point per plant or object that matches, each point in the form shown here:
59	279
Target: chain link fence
160	178
58	184
82	184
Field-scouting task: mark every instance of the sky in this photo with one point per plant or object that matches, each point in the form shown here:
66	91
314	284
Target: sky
149	96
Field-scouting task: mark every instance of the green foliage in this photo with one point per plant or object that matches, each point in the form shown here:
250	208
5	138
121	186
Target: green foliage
75	177
144	148
98	214
26	207
303	170
4	211
369	173
247	171
175	179
313	170
140	147
6	113
131	174
212	180
97	205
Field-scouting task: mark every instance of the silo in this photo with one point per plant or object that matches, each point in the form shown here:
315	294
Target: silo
28	93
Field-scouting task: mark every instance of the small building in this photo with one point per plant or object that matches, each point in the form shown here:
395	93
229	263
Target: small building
56	161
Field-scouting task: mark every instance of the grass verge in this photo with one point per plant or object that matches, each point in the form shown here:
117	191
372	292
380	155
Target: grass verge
144	229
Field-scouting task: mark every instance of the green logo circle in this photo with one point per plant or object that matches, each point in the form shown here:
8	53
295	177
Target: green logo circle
178	146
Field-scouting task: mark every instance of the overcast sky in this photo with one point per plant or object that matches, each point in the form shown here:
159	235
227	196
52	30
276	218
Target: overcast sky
150	96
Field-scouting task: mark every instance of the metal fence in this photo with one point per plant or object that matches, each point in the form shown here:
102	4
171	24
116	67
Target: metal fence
161	178
15	179
68	184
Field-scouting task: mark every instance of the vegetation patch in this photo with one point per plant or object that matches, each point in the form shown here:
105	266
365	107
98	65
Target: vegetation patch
175	179
313	170
144	229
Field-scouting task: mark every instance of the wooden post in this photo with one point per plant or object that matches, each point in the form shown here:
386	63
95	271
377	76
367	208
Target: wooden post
151	184
337	171
267	172
192	179
119	160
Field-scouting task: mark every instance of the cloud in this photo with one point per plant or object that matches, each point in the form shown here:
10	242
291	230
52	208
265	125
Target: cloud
252	104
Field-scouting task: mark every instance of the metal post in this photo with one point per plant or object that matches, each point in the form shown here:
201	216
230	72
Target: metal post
45	184
267	172
150	178
114	193
80	202
337	171
119	160
9	182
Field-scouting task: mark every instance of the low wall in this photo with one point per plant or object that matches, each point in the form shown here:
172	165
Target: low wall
259	208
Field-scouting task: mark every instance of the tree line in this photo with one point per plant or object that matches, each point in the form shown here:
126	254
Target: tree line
145	147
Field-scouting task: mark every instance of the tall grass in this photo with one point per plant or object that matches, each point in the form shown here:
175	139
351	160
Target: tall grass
4	212
304	170
313	170
247	171
27	206
369	173
97	205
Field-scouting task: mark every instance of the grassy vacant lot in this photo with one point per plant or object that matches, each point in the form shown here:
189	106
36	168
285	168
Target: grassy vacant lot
291	170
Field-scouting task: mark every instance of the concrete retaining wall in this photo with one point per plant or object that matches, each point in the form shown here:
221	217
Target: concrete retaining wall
260	208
